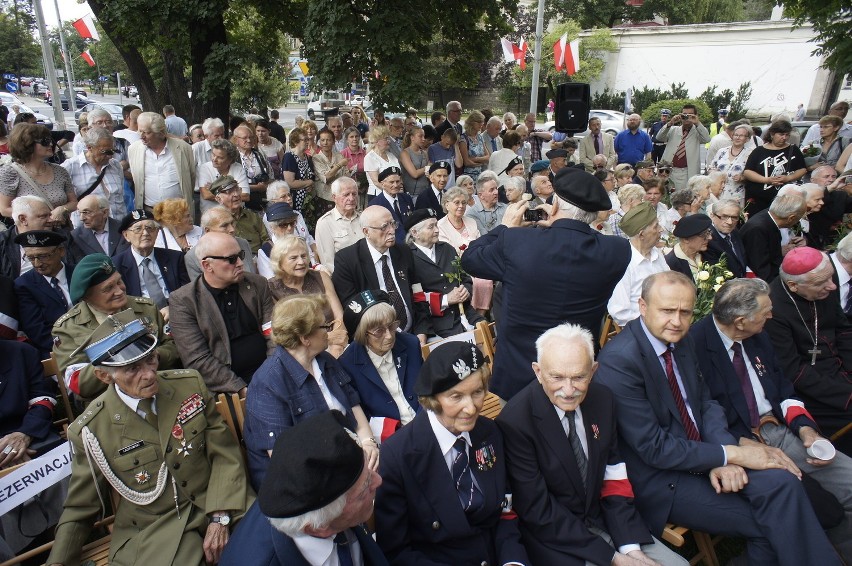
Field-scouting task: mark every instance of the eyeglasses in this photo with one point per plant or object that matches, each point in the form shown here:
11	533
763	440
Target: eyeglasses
706	234
380	331
727	217
147	228
106	151
40	257
46	142
232	259
664	170
392	225
327	327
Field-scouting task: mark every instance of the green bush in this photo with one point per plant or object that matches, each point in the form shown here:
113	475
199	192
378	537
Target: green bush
652	113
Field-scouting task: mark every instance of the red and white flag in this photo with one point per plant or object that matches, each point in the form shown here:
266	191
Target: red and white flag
567	55
85	26
514	53
87	57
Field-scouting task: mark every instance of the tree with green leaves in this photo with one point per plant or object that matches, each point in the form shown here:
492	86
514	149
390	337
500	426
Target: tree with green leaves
20	55
610	13
107	58
832	21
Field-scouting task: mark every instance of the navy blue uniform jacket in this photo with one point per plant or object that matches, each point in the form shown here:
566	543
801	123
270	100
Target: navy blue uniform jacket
39	307
406	205
171	266
419	519
718	246
23	388
565	273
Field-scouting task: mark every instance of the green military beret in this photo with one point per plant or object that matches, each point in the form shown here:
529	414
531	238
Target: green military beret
92	270
637	219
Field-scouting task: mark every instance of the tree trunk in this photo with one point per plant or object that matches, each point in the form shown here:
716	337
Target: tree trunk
218	106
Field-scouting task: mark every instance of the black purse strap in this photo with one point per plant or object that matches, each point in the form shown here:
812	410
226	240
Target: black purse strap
94	186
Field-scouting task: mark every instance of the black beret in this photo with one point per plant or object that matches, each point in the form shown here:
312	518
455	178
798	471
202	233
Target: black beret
312	464
446	165
417	216
692	225
357	306
556	153
223	183
581	189
280	211
132	218
40	239
388	171
92	270
447	365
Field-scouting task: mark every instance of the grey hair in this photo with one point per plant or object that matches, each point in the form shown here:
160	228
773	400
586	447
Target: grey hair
98	112
283	246
226	146
738	298
829	167
94	135
510	115
724	203
494	120
575	212
411	236
631	192
211	214
798	279
786	205
565	332
340	182
698	182
534	182
517	183
791	189
483	178
451	194
154	120
682	197
809	187
274	188
844	248
24	204
211	124
713	175
452	103
316	519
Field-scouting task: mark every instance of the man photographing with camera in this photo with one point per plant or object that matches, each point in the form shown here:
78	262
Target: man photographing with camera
683	135
559	270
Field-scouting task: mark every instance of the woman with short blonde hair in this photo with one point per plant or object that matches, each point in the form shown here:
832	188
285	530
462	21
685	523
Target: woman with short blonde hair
179	232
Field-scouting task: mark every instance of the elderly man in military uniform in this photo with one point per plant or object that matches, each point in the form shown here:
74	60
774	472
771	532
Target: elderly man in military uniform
98	291
158	441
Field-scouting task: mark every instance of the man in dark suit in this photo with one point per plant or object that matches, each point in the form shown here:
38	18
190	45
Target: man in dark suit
564	273
453	120
439	176
314	466
98	233
685	466
377	261
43	292
148	271
569	485
761	234
29	212
841	258
394	198
739	366
222	321
726	238
433	260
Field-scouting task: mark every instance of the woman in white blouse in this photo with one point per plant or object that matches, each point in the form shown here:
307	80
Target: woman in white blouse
378	158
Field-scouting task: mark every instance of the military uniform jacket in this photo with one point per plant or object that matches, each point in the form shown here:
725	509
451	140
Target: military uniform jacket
75	326
206	467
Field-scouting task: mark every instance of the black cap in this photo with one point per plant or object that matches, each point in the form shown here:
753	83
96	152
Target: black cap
357	306
388	171
556	153
280	211
581	189
312	464
132	218
441	165
417	216
692	225
40	239
447	365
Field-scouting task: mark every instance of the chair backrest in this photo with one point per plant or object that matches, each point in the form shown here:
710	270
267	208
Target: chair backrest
232	408
609	328
51	369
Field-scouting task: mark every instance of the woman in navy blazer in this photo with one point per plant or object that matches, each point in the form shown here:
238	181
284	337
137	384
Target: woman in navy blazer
371	321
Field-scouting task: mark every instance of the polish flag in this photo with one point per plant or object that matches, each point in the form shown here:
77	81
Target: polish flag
572	57
559	52
87	57
85	26
514	53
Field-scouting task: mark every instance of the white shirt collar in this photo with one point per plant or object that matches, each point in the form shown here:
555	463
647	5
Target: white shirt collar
842	276
133	402
315	550
138	258
446	439
379	360
430	252
391	198
374	253
59	276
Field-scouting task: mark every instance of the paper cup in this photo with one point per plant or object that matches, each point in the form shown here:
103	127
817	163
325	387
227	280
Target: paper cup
822	449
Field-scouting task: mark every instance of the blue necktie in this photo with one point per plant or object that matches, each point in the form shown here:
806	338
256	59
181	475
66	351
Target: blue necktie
54	282
493	144
469	495
344	553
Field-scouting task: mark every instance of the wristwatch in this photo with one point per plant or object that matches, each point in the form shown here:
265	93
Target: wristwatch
223	520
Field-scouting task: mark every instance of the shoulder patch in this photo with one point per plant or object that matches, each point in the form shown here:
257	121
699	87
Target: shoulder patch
91	410
73	311
179	374
142	300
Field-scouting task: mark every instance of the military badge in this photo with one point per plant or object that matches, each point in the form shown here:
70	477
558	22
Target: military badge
177	432
32	239
462	370
190	407
184	449
142	477
595	431
485	458
354	307
759	367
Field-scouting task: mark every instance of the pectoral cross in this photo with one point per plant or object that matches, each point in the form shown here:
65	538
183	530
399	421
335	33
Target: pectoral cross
813	352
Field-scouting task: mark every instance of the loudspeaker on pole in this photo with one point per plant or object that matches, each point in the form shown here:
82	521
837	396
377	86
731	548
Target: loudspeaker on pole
573	102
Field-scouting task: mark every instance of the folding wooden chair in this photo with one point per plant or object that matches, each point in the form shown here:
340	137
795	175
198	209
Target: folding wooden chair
609	328
51	368
674	535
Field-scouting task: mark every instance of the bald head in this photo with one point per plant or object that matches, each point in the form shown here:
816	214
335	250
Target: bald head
377	224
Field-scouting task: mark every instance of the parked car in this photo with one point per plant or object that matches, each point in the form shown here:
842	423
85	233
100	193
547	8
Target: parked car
79	101
9	99
113	109
612	122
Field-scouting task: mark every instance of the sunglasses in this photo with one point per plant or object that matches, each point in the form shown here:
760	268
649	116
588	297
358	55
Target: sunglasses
106	151
286	223
664	170
46	142
232	259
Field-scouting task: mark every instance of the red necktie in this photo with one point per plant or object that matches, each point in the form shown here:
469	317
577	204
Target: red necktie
688	425
597	145
745	383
